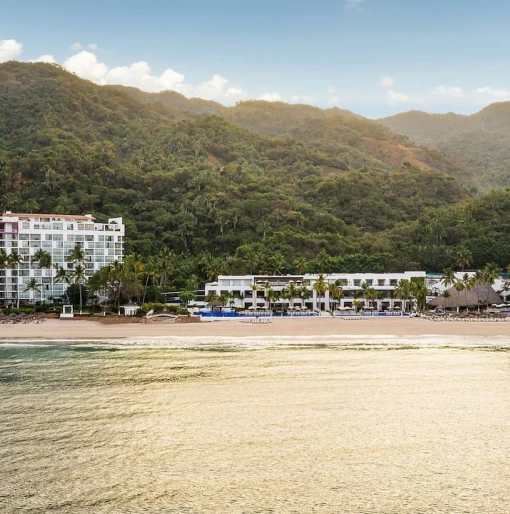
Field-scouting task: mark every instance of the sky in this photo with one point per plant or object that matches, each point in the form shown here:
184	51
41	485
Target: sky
374	57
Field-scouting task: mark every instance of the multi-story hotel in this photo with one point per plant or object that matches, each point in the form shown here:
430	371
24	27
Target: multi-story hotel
57	234
249	291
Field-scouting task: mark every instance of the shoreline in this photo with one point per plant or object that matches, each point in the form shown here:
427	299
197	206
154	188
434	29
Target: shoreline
299	332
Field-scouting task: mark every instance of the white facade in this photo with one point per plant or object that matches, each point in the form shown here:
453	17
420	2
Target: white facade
57	234
242	293
248	291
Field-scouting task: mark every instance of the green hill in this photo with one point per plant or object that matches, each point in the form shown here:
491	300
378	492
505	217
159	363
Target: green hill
480	142
207	186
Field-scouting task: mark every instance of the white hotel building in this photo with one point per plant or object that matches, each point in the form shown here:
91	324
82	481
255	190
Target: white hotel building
241	289
57	234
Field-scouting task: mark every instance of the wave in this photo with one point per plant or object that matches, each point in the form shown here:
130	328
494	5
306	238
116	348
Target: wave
224	343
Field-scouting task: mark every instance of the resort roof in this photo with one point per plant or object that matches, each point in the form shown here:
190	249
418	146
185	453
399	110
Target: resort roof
480	293
60	216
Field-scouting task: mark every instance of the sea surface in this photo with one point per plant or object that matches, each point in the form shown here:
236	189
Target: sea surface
314	426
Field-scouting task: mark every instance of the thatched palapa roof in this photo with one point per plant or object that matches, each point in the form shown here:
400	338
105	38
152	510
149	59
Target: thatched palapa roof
482	293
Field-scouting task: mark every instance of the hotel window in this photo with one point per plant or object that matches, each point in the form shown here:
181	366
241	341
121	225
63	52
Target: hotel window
381	282
58	237
89	238
393	282
58	226
25	225
357	282
70	226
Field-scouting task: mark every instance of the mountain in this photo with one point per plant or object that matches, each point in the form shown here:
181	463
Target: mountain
206	186
191	106
480	142
356	140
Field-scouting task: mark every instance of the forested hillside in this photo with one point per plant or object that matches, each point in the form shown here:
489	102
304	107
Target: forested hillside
480	142
213	191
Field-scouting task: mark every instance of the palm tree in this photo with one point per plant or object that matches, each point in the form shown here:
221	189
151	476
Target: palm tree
14	260
78	278
300	264
448	278
322	260
490	274
32	286
304	294
464	258
403	292
150	270
277	263
468	283
267	290
336	292
419	291
61	276
166	265
43	260
320	286
446	295
459	286
478	281
3	258
254	288
293	292
76	255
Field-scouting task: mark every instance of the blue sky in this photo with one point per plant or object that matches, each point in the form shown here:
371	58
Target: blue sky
375	57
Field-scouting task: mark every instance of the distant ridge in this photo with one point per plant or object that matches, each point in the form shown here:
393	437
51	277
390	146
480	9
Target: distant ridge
480	142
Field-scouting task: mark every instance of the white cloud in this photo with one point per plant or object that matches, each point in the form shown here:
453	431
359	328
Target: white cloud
92	46
448	91
353	4
75	47
271	97
394	97
216	89
334	100
493	95
331	90
45	58
304	99
386	81
85	65
9	49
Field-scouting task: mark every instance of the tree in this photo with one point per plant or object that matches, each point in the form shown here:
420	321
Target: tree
336	292
61	276
79	277
33	287
300	264
151	271
464	258
446	295
459	287
43	260
490	274
468	284
14	260
320	286
403	292
448	278
186	297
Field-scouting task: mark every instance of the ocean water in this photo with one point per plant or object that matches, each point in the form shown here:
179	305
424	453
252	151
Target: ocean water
260	426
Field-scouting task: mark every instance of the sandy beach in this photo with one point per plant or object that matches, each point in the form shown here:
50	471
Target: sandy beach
296	328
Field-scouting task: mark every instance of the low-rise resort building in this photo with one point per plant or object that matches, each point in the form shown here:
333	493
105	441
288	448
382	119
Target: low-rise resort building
368	291
22	236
